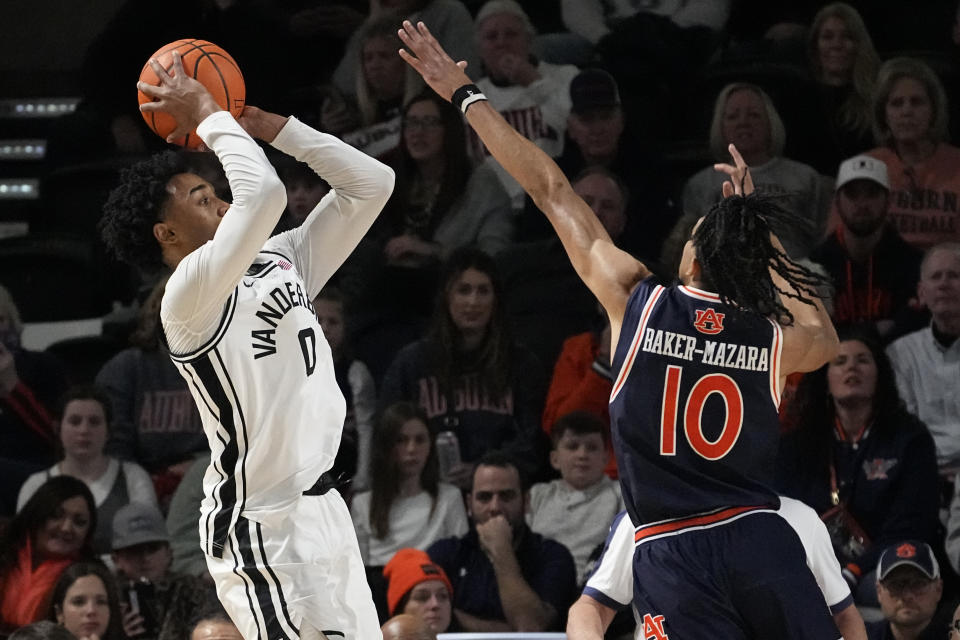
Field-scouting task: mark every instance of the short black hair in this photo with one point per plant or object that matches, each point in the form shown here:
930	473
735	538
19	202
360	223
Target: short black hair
501	460
135	205
578	423
210	611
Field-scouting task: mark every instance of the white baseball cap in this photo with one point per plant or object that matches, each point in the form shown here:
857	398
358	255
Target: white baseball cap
863	168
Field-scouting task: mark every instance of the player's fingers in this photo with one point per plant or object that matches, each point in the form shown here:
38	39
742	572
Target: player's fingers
411	60
177	64
737	158
728	189
747	180
434	43
726	168
428	38
158	69
410	36
151	90
462	64
151	106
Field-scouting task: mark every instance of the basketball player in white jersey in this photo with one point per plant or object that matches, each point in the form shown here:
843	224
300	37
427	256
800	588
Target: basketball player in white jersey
241	329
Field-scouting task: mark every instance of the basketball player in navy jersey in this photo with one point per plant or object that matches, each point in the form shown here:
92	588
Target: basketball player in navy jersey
238	319
694	405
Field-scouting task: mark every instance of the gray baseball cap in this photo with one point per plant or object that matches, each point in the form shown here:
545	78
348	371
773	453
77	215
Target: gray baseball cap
138	523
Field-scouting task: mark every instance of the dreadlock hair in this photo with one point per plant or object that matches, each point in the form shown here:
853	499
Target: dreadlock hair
135	205
736	254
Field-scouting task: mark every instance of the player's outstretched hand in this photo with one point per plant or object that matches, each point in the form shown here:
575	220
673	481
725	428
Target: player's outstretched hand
741	181
430	60
178	94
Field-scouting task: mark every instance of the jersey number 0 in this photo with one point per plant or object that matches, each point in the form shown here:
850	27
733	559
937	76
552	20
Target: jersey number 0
308	347
693	412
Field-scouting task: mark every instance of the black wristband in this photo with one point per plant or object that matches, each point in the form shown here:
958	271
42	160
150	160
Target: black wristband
465	96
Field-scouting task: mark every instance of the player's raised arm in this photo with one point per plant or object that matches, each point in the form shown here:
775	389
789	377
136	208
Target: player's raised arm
811	340
609	272
360	186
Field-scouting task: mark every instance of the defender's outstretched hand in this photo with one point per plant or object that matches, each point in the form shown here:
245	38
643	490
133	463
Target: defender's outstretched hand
430	60
741	181
178	94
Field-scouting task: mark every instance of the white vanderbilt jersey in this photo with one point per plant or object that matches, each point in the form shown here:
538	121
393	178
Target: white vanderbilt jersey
611	583
268	398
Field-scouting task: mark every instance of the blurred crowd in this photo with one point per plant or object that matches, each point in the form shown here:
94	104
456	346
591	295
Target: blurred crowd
474	363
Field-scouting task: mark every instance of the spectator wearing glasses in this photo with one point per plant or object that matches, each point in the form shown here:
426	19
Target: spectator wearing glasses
438	205
909	589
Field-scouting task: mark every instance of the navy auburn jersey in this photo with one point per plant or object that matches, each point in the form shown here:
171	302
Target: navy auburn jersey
693	410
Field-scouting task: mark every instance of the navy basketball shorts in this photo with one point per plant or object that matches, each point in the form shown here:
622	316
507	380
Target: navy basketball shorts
732	574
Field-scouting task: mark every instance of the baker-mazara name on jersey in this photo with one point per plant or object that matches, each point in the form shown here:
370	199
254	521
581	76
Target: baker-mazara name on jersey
280	301
712	352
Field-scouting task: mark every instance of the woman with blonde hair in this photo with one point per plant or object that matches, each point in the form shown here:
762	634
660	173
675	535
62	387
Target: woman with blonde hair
910	121
383	85
744	115
843	63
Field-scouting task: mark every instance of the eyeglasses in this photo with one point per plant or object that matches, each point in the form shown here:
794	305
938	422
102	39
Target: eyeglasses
426	122
902	586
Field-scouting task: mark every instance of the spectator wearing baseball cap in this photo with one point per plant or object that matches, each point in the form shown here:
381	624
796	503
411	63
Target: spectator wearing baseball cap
874	271
908	588
141	553
598	136
418	586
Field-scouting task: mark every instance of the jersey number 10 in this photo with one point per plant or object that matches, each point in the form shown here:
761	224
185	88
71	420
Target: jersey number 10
693	412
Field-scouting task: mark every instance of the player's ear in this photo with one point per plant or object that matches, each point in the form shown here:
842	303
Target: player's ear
163	233
696	269
554	462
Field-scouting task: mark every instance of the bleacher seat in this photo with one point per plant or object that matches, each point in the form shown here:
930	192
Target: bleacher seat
84	356
54	277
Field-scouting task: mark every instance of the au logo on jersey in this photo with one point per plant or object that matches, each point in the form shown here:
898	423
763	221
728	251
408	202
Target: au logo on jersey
651	628
877	468
708	321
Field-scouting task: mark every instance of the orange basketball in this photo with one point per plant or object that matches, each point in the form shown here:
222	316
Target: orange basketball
213	67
